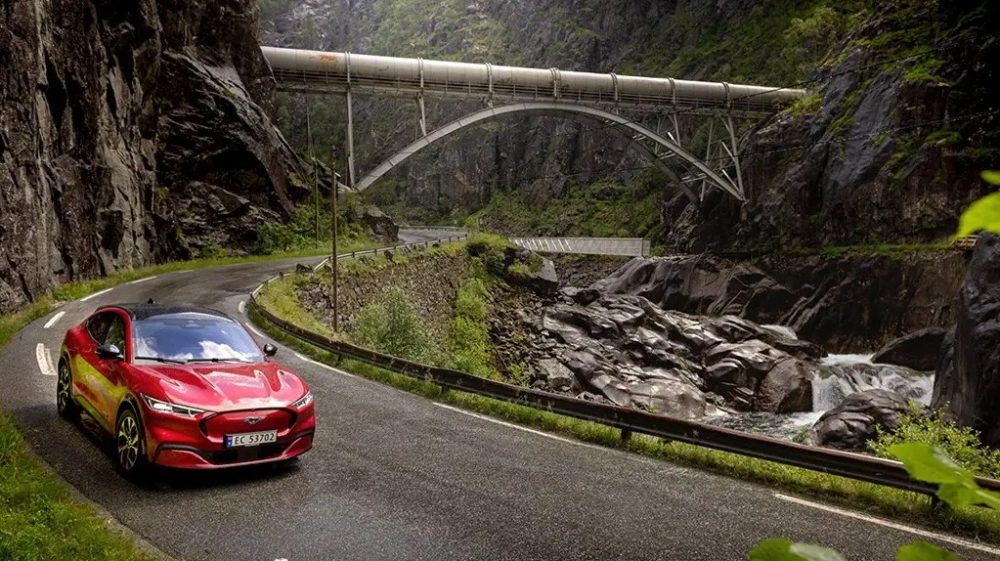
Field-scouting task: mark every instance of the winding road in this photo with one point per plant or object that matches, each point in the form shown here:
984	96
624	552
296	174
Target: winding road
394	476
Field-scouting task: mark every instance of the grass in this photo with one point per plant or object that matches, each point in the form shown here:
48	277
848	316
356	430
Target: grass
41	520
975	522
39	517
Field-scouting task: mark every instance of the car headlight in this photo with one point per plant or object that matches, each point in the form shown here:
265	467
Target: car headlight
171	408
303	401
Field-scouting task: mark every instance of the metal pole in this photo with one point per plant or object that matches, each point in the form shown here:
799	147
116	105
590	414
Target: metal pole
333	256
423	115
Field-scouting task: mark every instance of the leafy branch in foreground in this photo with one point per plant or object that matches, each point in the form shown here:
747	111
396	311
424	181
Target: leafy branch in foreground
984	214
956	486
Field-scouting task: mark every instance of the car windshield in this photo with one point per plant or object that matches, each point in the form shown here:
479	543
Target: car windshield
193	337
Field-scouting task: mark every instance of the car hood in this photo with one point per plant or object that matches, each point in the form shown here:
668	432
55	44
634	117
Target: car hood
219	387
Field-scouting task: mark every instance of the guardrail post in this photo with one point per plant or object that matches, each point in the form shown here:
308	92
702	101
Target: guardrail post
626	435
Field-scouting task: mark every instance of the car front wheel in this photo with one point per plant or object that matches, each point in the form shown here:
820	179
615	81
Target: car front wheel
130	449
65	405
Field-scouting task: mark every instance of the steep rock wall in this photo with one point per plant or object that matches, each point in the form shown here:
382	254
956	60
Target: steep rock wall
850	304
130	133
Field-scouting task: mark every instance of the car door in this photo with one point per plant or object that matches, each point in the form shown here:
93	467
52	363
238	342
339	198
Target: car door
100	380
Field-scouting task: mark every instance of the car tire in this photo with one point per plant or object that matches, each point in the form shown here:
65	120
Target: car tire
130	445
65	404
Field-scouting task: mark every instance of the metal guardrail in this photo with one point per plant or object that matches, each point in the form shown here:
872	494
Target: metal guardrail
629	247
376	251
835	462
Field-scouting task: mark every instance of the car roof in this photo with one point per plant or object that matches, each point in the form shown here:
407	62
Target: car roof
147	310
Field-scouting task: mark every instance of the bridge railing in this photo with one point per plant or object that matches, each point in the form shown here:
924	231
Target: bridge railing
835	462
629	247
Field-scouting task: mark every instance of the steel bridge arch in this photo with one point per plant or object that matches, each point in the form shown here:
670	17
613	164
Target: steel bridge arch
549	107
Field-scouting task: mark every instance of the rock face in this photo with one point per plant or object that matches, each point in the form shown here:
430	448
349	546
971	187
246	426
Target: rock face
968	379
850	425
920	350
851	303
627	351
131	132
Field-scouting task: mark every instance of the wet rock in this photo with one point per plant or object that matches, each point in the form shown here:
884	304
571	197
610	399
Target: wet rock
557	376
920	350
968	383
786	388
820	299
850	425
377	223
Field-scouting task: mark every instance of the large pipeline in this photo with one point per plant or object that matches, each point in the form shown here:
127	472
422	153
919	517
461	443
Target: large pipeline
335	71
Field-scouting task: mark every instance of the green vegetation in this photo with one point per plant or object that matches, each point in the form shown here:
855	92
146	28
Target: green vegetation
307	232
393	326
40	520
606	208
956	487
807	105
962	444
984	214
468	341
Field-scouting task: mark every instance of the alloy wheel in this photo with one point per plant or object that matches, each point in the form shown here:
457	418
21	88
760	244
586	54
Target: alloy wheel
128	442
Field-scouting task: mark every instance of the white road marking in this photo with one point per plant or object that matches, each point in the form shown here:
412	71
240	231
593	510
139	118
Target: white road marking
243	307
144	279
182	271
96	294
325	366
44	360
52	321
894	525
254	329
513	426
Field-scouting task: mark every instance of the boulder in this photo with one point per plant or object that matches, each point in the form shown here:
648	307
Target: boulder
377	223
557	376
968	381
920	350
787	388
850	425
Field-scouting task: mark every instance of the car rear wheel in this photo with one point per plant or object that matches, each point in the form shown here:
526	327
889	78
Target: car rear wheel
65	405
130	445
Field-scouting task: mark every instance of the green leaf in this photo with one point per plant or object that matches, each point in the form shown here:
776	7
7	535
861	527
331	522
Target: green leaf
927	463
921	551
982	215
785	550
991	176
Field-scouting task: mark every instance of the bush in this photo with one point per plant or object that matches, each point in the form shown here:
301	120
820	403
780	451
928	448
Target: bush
491	249
393	326
961	443
468	340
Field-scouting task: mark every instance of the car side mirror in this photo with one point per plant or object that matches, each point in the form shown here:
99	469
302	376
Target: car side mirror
270	350
109	352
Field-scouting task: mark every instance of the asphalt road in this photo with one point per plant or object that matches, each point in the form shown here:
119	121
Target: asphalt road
394	476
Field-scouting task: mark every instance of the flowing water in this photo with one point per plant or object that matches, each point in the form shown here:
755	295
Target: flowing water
841	376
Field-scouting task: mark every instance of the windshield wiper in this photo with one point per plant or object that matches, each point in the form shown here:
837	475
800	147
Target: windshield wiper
217	360
160	359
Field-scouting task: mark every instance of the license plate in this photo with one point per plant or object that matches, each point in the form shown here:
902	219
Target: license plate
251	438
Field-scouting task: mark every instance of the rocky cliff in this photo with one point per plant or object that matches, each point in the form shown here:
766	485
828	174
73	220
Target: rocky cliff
131	132
968	377
846	304
886	148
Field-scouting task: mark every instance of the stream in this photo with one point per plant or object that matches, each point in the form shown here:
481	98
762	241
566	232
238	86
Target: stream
843	374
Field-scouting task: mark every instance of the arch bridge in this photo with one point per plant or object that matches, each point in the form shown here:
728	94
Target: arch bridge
507	90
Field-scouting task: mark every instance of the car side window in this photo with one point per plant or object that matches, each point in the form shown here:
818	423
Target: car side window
116	332
98	327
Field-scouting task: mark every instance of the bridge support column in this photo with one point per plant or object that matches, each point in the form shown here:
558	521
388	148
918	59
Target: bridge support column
708	155
423	115
734	153
350	139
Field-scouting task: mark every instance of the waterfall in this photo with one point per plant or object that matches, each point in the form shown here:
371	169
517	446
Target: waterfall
847	374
